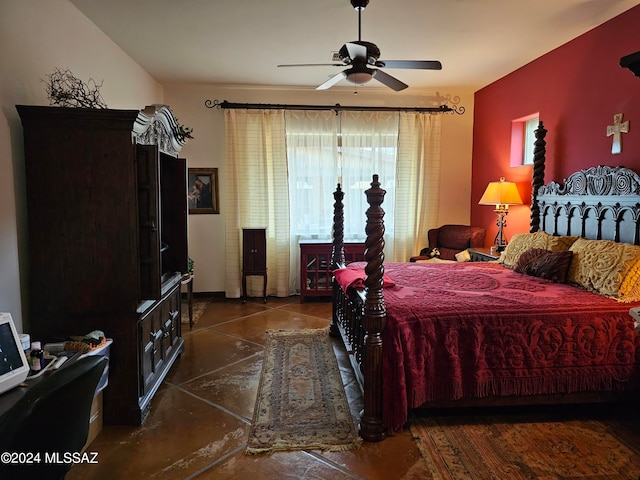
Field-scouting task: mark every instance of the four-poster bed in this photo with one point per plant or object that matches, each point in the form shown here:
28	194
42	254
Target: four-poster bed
491	333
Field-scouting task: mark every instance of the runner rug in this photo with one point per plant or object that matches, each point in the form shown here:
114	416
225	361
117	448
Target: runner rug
301	402
529	446
199	306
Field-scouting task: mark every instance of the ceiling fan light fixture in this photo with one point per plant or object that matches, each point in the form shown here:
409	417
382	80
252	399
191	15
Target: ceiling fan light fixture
359	78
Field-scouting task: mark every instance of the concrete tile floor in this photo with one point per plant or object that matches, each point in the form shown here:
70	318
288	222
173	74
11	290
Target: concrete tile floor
200	417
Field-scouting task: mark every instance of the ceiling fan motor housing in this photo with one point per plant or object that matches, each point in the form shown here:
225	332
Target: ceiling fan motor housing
373	52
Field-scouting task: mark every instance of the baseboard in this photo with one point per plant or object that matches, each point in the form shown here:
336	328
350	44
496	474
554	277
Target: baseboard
209	295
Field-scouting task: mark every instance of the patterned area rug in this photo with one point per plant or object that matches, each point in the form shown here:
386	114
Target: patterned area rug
199	306
529	446
301	403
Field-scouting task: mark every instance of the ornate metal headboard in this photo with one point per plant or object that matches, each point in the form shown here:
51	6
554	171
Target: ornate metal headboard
601	203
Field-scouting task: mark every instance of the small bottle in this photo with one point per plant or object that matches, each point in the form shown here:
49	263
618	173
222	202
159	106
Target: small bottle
36	357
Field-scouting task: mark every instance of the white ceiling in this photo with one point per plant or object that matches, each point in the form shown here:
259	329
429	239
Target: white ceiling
241	42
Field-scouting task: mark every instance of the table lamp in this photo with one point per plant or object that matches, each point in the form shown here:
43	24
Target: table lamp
501	194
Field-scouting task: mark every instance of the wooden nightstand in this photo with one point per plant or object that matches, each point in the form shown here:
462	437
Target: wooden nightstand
482	254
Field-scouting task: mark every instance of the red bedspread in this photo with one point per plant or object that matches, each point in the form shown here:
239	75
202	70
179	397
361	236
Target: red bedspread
479	329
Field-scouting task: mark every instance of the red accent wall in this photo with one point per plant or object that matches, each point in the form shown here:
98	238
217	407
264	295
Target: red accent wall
577	88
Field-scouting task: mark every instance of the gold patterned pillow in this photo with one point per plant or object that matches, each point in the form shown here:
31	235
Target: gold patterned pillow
630	286
560	243
521	242
606	267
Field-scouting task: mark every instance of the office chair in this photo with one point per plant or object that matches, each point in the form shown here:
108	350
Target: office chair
52	418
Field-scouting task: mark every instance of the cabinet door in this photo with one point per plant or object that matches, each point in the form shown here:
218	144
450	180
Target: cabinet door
148	218
254	250
315	269
150	348
171	323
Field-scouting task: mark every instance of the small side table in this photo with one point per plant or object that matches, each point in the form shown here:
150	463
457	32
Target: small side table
482	254
187	280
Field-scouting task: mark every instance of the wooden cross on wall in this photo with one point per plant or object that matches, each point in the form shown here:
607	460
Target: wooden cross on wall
617	129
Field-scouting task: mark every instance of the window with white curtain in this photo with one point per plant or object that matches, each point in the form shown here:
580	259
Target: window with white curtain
324	148
282	168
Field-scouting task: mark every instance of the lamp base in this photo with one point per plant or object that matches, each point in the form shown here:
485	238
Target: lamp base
500	241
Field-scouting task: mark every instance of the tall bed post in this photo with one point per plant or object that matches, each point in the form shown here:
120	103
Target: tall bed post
337	250
371	426
537	177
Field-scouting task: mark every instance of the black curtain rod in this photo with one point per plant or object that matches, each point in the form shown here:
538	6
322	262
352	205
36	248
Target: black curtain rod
337	107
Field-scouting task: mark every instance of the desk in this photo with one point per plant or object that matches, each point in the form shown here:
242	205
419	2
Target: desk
9	398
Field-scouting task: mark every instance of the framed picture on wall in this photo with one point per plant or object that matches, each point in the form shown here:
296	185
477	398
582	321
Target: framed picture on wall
202	193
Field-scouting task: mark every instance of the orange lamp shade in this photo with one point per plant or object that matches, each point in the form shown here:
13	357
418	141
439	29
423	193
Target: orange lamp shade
501	194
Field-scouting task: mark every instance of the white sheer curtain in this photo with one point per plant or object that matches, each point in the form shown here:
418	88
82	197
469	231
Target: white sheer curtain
257	196
323	149
417	197
312	150
369	145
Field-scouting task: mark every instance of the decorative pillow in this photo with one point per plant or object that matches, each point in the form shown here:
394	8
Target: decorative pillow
527	257
355	277
463	256
546	264
521	242
630	287
606	267
560	243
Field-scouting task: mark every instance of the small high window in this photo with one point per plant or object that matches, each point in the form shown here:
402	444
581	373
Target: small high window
522	139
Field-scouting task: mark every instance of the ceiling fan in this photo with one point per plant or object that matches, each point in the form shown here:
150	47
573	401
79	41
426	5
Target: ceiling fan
360	56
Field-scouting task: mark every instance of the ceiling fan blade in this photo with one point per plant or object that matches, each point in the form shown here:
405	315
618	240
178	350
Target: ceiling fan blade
416	64
332	81
389	81
313	65
356	51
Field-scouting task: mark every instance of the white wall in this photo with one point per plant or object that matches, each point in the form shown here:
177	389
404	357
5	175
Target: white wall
36	36
206	150
40	35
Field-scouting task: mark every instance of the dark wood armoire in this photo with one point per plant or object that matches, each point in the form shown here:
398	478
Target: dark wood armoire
107	240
